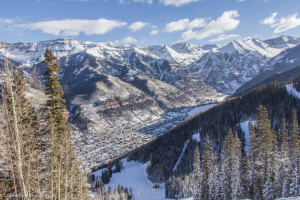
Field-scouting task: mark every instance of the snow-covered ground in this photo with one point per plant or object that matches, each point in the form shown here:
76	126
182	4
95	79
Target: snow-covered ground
182	152
245	129
188	198
134	176
290	198
200	109
196	137
291	90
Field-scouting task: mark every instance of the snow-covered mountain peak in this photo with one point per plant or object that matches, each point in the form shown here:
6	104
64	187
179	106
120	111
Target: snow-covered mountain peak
181	53
186	47
30	53
232	47
253	46
283	42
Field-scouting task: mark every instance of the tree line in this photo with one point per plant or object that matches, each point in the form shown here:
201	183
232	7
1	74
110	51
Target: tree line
269	170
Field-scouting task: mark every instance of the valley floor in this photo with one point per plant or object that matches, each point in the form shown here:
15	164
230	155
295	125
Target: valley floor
105	146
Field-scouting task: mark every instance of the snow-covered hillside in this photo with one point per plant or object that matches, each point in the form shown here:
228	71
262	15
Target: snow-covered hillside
134	176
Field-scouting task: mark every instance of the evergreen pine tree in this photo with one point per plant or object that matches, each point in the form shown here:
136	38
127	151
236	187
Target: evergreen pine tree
245	171
231	166
267	142
218	174
67	179
173	187
263	151
197	175
268	191
295	183
207	168
282	144
286	187
294	140
227	165
253	167
282	160
236	169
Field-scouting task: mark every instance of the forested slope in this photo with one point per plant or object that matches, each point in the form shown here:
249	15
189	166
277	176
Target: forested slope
165	151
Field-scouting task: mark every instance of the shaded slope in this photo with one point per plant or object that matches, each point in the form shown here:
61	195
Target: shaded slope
165	151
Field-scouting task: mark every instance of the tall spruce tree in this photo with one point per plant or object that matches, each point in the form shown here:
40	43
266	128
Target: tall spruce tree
263	151
236	168
67	179
295	183
282	160
232	166
254	176
294	140
245	171
207	168
227	164
197	175
269	192
282	143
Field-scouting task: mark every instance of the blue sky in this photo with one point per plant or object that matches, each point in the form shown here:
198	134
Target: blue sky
147	22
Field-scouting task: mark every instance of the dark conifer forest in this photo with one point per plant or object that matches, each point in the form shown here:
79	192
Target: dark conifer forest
218	167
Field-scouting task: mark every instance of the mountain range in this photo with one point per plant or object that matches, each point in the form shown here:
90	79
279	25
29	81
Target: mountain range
123	96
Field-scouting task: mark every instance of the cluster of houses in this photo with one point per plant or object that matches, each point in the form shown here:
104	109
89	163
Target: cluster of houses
96	149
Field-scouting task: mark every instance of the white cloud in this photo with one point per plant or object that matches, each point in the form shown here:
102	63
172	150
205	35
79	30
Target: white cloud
176	3
7	21
8	24
73	27
226	22
144	1
136	26
270	20
154	32
75	0
282	24
240	1
127	40
223	37
136	1
184	24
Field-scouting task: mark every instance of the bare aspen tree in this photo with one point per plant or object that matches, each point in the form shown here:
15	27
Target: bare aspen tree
19	136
